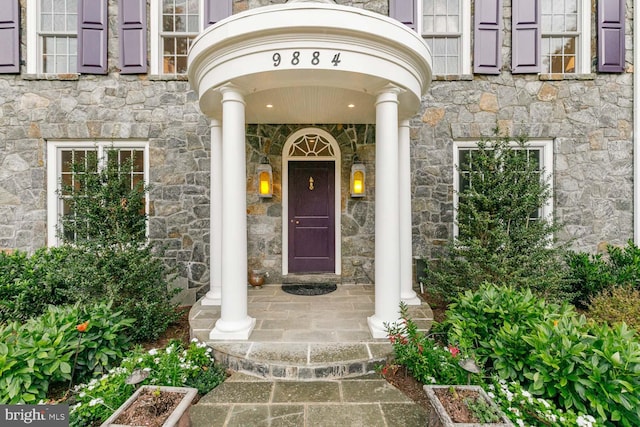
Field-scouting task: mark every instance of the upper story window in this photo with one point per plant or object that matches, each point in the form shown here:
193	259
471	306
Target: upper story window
560	36
66	36
181	24
57	30
445	26
551	36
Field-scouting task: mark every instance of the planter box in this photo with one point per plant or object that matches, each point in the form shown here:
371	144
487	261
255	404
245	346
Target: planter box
438	416
178	418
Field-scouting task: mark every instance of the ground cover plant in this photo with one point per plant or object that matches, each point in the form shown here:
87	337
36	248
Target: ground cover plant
62	345
534	350
174	365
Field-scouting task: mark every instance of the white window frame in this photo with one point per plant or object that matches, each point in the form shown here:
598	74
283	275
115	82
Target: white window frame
54	168
34	47
155	40
546	164
583	36
465	36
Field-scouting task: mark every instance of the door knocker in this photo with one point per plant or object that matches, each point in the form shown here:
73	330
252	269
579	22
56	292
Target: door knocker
311	183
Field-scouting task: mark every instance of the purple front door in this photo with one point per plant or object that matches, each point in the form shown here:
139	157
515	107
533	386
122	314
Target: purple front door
311	217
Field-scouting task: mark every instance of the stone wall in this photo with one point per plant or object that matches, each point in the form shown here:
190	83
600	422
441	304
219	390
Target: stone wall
589	119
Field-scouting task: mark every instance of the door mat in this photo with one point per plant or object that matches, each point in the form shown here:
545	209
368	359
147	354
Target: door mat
310	289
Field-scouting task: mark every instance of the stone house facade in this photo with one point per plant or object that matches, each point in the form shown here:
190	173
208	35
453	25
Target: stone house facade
578	115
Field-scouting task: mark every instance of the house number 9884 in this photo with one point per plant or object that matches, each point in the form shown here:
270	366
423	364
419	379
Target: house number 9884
298	57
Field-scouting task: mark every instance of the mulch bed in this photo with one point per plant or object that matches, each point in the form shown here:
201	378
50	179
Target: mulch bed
150	409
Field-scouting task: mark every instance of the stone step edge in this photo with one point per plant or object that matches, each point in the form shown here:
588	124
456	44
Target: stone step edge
282	371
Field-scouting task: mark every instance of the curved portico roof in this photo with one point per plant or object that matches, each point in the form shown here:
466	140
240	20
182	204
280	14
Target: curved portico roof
309	62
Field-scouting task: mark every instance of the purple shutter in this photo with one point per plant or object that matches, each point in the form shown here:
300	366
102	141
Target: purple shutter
404	11
611	36
9	36
526	37
487	57
92	36
216	10
133	36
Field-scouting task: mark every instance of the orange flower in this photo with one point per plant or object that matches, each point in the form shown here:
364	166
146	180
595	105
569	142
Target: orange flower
82	326
555	323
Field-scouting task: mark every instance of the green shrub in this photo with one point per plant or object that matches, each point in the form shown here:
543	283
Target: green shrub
134	279
174	365
502	238
107	223
590	274
29	283
588	367
427	361
490	323
42	351
615	305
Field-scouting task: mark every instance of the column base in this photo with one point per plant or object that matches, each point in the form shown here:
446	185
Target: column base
212	298
377	326
240	330
410	298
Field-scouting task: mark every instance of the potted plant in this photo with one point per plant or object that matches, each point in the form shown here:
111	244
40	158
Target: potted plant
463	405
164	406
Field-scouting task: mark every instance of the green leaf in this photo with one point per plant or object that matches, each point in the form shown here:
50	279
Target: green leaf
65	368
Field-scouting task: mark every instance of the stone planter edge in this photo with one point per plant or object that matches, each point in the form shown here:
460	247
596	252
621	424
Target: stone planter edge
439	417
174	418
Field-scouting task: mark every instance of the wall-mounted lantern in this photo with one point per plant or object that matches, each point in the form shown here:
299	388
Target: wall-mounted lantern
265	179
357	178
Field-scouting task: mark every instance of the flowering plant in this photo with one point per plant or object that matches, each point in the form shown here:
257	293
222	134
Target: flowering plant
526	410
174	365
428	362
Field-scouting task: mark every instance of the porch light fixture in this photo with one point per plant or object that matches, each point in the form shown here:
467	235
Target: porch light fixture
357	178
265	179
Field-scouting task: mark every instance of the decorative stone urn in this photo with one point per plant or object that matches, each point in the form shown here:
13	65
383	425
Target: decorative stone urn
438	416
178	417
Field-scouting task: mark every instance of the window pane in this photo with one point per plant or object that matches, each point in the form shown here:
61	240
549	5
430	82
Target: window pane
46	22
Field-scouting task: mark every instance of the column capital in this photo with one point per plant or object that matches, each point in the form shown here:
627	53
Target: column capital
231	92
388	93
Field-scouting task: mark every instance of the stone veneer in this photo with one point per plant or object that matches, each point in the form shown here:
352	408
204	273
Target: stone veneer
588	117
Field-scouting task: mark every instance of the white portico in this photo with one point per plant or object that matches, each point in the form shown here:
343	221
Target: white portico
308	62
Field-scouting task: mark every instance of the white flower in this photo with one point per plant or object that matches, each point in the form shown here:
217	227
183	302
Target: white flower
82	394
194	339
95	402
139	359
544	403
491	395
153	351
146	369
520	422
525	393
169	350
585	421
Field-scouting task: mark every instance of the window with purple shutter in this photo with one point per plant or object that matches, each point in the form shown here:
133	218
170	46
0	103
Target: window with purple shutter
216	10
133	36
526	36
404	11
487	58
611	48
9	36
92	36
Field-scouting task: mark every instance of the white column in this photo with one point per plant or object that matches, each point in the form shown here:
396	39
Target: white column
213	297
234	323
407	294
387	243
